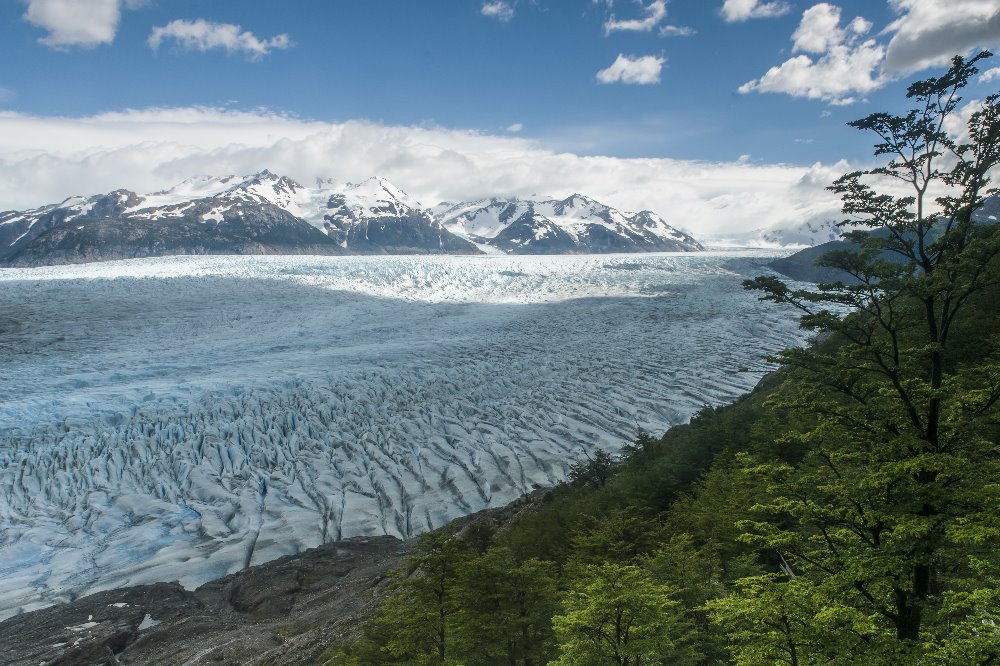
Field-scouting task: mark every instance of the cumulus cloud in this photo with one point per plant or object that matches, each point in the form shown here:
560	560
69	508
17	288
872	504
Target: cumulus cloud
498	9
202	35
640	70
734	11
819	31
845	65
45	159
80	23
516	127
990	75
928	32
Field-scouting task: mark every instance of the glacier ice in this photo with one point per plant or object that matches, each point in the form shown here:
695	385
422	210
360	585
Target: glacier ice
180	418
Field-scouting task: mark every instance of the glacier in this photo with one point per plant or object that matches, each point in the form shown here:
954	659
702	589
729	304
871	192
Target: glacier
180	418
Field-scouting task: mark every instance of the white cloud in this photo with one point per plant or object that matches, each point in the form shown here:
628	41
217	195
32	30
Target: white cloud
928	32
676	31
498	9
990	75
202	35
515	128
741	10
844	67
820	30
641	70
82	23
45	159
838	77
655	12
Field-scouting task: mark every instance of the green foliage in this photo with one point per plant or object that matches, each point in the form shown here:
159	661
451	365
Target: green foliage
618	614
414	623
622	535
594	471
774	619
506	610
900	448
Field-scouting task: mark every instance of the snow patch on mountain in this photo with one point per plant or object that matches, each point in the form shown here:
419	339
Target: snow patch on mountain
577	224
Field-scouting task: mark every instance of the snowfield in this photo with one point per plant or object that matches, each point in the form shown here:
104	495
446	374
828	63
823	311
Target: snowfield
180	418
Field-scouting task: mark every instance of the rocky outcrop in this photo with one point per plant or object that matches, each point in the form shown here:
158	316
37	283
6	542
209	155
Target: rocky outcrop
289	611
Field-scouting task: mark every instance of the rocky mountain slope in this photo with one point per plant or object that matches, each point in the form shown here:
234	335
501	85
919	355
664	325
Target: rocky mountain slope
269	214
258	214
575	225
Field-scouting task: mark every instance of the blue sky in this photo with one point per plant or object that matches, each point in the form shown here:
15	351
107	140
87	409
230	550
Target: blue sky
525	69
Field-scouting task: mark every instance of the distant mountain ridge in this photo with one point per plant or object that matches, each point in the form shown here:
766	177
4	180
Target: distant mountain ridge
577	224
265	213
802	265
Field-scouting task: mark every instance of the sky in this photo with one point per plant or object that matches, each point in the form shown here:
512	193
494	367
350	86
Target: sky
721	115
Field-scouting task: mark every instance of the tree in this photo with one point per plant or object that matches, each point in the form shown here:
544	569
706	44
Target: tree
594	470
414	622
620	535
900	445
771	620
617	614
506	610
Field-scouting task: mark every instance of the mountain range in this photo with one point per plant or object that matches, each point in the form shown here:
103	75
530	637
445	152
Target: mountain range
265	213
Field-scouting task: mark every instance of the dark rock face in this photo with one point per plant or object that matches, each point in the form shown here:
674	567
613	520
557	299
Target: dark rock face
534	234
17	229
289	611
263	230
245	215
646	221
413	232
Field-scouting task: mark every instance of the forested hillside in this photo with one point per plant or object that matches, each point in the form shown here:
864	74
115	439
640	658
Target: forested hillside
847	511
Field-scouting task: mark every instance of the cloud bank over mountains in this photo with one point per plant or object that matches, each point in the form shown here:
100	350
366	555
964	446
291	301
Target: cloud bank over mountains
45	159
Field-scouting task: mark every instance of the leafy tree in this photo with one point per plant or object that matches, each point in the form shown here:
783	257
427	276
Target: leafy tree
695	575
642	447
618	614
594	471
779	619
622	535
506	610
413	625
899	448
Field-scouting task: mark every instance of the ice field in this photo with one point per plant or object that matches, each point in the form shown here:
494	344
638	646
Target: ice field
180	418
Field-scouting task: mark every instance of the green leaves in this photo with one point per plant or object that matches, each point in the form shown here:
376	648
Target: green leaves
617	614
872	525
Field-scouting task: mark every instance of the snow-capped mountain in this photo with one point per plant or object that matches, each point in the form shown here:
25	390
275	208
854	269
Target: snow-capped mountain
258	214
376	215
265	213
577	224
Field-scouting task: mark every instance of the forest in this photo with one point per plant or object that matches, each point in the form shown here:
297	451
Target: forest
846	511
